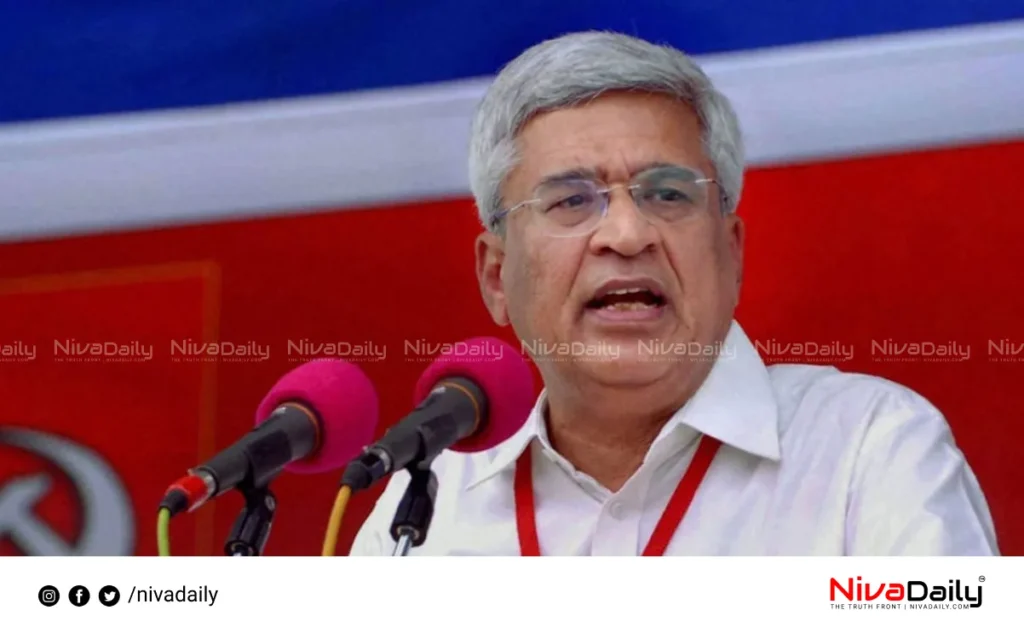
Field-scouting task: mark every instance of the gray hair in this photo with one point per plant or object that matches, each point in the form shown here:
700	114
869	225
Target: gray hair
568	70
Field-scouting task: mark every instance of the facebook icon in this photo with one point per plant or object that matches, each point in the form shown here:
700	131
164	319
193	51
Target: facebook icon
79	596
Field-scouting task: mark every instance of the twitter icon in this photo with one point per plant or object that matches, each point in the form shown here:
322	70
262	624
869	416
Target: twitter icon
109	596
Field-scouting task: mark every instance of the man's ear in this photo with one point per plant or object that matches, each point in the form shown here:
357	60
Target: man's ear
736	233
490	257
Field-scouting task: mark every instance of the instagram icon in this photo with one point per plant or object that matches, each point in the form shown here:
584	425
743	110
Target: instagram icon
49	596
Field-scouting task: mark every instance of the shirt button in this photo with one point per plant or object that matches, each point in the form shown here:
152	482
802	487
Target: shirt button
617	510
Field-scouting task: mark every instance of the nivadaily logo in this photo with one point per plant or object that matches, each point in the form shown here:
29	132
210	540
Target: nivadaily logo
913	594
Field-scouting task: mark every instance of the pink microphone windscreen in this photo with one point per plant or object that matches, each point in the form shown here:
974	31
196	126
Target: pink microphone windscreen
344	401
501	372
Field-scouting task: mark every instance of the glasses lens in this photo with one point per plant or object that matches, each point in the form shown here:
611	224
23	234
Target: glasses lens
570	207
672	193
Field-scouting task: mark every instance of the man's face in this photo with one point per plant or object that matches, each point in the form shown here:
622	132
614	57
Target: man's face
554	289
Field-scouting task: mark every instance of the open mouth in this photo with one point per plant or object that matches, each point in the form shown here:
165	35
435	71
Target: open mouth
627	299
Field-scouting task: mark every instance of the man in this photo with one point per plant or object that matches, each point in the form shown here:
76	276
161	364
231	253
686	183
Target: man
607	171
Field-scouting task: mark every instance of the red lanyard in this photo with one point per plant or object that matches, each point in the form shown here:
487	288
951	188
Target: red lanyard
526	511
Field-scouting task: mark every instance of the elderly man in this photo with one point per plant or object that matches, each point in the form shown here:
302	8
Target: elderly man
607	171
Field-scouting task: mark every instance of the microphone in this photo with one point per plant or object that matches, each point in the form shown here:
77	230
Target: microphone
470	399
316	418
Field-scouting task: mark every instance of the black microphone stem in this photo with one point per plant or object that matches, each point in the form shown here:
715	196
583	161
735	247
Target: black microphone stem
456	409
416	510
252	527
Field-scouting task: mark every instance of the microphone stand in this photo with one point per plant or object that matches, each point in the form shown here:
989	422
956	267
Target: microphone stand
252	527
415	511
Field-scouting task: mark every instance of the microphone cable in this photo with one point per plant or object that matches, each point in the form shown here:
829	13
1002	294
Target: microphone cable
178	498
334	524
163	532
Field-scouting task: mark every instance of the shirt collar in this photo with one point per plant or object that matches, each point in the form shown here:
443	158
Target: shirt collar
735	404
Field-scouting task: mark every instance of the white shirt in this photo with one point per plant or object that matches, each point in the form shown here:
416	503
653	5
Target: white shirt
813	461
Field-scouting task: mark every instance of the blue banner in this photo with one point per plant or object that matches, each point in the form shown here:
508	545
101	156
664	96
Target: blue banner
64	58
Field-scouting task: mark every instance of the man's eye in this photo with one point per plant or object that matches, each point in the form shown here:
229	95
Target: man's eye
667	194
574	201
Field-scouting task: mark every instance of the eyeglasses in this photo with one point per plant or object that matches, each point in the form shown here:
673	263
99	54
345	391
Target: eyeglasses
574	206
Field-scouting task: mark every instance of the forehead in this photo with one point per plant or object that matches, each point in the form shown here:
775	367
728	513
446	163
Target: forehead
614	135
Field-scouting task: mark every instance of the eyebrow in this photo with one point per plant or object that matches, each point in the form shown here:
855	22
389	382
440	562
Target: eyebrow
587	173
579	173
658	165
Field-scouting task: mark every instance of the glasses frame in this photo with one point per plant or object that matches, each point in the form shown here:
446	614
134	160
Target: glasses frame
605	191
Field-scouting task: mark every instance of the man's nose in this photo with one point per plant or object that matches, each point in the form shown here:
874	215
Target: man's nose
624	229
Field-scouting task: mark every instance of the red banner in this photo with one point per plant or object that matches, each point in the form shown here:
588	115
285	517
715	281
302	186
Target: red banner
856	255
95	418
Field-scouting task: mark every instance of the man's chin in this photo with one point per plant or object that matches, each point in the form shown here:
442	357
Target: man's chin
628	370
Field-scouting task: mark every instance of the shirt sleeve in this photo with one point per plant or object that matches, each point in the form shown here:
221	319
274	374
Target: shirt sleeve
913	493
374	537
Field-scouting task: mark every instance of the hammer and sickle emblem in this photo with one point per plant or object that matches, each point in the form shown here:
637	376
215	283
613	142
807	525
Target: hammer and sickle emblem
107	519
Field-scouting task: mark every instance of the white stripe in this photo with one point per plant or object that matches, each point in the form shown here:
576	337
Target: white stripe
796	103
